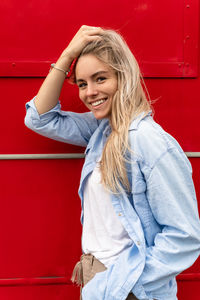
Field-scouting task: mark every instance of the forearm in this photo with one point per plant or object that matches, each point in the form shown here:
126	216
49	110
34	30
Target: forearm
50	90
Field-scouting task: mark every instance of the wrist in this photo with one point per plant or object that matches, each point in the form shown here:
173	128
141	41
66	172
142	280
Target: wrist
64	63
53	66
68	54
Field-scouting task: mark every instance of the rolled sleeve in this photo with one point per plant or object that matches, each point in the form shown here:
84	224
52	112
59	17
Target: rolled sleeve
67	127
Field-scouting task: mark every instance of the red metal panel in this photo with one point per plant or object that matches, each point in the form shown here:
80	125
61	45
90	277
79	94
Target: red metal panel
36	33
188	290
176	104
196	167
40	234
15	137
188	281
39	217
53	292
191	29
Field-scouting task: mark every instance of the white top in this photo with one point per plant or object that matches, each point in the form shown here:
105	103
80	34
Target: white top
103	234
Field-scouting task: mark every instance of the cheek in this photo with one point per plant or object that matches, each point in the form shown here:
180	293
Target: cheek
114	90
81	95
114	86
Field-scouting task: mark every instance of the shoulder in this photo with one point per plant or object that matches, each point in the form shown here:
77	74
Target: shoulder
149	141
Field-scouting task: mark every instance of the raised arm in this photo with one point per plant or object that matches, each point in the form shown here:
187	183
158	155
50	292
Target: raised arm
44	114
49	92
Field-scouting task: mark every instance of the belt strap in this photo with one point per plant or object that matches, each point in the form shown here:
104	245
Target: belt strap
77	275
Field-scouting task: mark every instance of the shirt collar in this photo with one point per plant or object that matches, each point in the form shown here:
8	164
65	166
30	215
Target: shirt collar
134	124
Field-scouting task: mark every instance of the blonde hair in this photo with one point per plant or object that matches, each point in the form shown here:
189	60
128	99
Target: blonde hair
128	102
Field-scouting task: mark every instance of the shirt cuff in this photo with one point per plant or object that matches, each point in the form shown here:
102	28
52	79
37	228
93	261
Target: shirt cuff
36	115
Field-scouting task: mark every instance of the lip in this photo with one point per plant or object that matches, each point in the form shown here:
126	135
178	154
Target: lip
96	100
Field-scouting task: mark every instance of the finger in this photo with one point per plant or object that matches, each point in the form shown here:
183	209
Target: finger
94	31
90	28
94	38
95	28
85	27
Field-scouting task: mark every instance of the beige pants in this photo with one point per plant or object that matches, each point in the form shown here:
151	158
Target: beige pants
86	269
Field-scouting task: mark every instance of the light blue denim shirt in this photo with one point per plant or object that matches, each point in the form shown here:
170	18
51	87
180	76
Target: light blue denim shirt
160	213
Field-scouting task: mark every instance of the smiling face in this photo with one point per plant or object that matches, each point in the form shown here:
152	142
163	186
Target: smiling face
97	84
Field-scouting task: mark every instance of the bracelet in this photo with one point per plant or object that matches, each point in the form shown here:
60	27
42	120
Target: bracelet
59	69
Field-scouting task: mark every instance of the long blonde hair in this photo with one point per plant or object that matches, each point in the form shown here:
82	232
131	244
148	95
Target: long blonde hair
128	102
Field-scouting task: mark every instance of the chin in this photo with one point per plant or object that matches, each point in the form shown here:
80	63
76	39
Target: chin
100	117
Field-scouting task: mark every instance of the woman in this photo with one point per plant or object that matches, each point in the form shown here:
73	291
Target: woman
139	210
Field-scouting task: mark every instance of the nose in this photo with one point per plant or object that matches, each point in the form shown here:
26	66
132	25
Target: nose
91	90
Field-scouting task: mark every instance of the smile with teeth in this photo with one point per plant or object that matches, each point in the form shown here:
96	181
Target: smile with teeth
98	102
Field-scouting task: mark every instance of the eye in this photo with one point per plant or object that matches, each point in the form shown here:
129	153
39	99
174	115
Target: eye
100	79
82	85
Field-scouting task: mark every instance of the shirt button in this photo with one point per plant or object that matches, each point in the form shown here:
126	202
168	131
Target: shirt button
138	243
119	214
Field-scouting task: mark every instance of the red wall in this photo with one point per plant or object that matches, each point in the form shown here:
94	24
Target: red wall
40	236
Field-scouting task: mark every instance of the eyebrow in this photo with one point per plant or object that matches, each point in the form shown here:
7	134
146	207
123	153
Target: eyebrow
93	75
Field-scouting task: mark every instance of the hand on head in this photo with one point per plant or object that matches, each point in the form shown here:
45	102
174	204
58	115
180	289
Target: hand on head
84	35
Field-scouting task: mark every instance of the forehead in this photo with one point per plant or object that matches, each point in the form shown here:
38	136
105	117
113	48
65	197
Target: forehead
87	65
